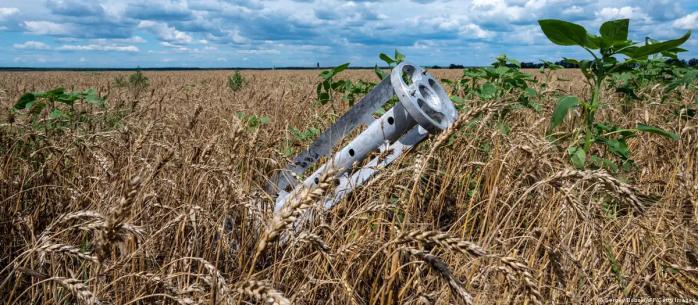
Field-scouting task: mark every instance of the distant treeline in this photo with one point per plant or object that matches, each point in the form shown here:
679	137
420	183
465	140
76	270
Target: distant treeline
528	65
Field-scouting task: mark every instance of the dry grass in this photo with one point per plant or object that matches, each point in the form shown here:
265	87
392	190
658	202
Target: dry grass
165	203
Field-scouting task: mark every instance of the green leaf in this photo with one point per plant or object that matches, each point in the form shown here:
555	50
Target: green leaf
264	120
340	68
487	91
56	114
657	130
53	93
563	33
381	75
326	74
323	98
318	89
615	30
594	42
25	100
655	48
68	98
617	147
399	57
530	93
577	156
384	57
93	99
458	102
341	85
563	106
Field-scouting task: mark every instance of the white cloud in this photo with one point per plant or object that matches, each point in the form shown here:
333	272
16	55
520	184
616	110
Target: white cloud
172	45
633	13
46	28
499	9
199	31
165	32
32	45
98	47
134	39
8	11
473	30
688	22
663	10
529	35
104	41
228	36
424	44
573	11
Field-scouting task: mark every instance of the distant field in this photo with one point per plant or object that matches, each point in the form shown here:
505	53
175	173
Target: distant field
159	198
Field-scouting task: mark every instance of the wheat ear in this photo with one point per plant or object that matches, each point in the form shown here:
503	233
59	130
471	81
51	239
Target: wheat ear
261	292
443	240
299	202
442	269
78	289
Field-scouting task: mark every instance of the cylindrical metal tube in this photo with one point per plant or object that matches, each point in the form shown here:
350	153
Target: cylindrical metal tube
423	102
389	127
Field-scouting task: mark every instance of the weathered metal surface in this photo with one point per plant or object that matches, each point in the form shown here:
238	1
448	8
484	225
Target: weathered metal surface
424	108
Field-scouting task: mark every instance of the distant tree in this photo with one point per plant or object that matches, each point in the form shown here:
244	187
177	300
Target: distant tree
677	62
531	65
454	66
566	64
693	62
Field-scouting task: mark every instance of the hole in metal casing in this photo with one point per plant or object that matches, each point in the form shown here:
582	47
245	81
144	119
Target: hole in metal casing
435	115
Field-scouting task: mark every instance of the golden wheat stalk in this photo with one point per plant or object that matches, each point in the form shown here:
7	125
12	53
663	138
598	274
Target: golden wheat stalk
623	191
313	240
461	121
522	269
68	250
78	289
443	240
300	201
115	222
219	281
442	269
261	292
423	161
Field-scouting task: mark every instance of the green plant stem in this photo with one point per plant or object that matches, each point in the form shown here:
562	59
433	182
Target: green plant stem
618	131
591	112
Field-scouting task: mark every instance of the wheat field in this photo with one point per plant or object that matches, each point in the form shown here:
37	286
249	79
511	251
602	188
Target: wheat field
160	199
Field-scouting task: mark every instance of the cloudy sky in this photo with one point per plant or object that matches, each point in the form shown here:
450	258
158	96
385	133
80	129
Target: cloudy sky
256	33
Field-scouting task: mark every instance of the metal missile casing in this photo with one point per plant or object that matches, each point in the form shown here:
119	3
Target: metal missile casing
423	108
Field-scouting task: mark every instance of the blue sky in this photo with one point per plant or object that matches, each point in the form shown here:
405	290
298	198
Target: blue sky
255	33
